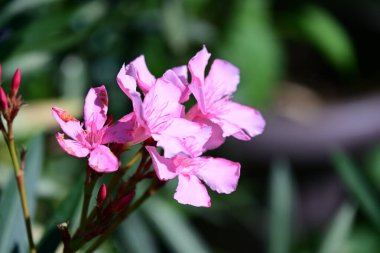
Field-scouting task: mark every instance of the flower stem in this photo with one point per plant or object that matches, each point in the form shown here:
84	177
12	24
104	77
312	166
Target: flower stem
117	177
19	174
89	185
123	215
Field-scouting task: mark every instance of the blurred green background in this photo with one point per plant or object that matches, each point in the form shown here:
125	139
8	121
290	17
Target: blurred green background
310	183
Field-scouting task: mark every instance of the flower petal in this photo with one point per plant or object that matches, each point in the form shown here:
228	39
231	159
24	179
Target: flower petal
238	120
216	139
182	136
197	66
70	125
173	78
95	108
161	104
181	72
121	131
221	81
190	191
144	78
164	168
72	147
126	78
220	174
103	160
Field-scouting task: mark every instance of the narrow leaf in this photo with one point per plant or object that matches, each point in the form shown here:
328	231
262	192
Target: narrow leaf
358	185
339	230
281	205
135	236
174	228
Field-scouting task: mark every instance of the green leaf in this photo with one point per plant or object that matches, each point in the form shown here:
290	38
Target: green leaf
12	226
252	45
281	201
339	230
175	230
64	212
358	185
135	236
324	32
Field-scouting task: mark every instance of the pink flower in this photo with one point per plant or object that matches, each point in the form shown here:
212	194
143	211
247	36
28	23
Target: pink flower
91	140
138	71
160	114
214	107
219	174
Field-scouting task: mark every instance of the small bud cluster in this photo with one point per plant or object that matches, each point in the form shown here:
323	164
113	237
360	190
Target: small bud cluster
10	103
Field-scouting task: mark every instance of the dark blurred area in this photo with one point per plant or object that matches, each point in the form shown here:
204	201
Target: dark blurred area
310	183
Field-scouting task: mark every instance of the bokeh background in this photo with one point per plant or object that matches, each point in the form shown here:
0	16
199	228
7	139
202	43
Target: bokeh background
310	183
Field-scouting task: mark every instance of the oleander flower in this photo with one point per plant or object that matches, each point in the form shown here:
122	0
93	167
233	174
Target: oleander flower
219	174
91	140
160	114
214	106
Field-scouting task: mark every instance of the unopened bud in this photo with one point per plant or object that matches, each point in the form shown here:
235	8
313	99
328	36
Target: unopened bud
124	201
15	83
102	195
3	100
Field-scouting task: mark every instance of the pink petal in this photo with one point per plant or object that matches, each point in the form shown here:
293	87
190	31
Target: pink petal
72	147
183	137
95	108
144	78
221	81
173	78
181	72
220	174
70	125
238	120
121	131
103	160
126	78
197	66
164	168
190	191
216	139
161	104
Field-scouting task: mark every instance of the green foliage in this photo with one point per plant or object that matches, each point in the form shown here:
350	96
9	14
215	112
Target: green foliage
12	227
281	207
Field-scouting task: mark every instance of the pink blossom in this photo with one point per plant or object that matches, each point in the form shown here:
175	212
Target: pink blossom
160	115
91	140
139	72
219	174
214	107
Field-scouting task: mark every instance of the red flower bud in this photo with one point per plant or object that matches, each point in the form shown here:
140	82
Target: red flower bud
124	201
102	195
15	83
3	100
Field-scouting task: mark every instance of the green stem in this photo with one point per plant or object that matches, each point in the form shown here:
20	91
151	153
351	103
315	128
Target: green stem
123	215
19	174
89	185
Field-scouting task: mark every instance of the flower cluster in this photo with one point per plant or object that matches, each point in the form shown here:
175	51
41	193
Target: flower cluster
159	115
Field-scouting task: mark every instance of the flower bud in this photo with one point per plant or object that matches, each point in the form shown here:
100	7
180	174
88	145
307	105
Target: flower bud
3	100
15	83
102	195
124	201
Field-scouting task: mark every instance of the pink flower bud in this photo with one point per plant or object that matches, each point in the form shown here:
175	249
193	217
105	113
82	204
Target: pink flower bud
15	83
102	195
3	100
